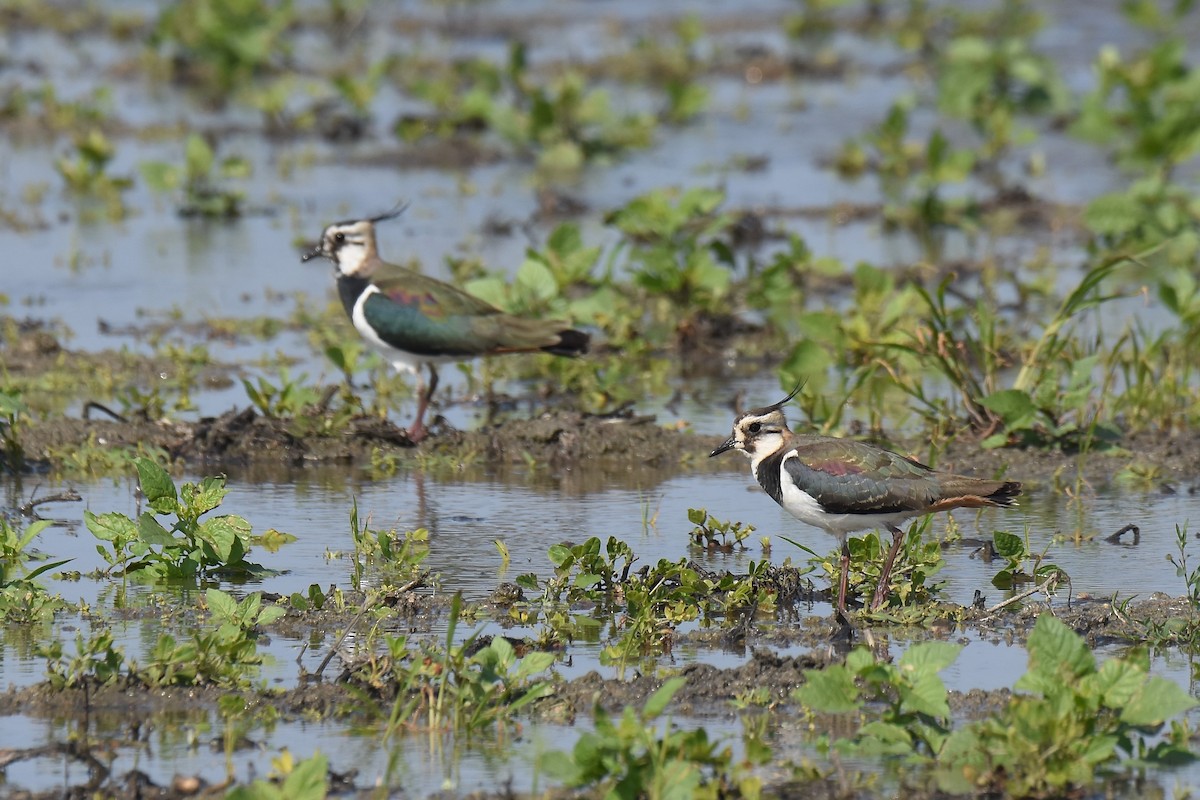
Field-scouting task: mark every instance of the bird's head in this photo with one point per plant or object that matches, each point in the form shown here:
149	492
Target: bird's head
760	432
350	245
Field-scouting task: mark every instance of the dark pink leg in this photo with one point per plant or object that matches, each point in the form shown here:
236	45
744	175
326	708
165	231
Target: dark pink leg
416	431
885	575
843	582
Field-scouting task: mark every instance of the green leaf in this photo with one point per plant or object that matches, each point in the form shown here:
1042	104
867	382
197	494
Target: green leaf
221	604
111	526
160	176
807	358
156	485
198	157
926	695
1113	214
1008	545
533	663
308	780
271	614
32	531
657	702
1159	700
928	658
492	289
208	495
559	554
1056	654
537	280
1117	681
1014	406
223	533
151	531
831	690
561	766
43	568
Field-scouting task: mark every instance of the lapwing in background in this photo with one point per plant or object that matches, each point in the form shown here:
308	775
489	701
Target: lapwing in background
840	485
416	321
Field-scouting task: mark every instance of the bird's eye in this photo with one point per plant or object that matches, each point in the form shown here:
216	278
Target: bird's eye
754	427
339	237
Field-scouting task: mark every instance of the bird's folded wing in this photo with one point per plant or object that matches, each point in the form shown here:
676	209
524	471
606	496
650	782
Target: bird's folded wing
848	477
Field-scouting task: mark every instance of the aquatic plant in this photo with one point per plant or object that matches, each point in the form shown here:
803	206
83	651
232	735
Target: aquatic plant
629	757
460	687
221	45
200	180
22	597
675	250
225	656
95	662
1021	565
191	548
650	602
716	534
290	398
991	81
87	173
1071	720
13	411
397	557
290	779
1052	399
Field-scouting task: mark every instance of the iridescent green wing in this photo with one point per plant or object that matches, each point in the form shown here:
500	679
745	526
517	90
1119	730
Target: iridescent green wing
849	477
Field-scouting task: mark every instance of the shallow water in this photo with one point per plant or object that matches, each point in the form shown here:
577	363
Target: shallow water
530	512
86	273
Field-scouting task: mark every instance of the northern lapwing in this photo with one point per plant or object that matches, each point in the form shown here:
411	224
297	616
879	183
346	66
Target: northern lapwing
840	485
415	320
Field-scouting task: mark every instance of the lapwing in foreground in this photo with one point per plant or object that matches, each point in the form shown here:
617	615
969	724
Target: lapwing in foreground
840	485
415	320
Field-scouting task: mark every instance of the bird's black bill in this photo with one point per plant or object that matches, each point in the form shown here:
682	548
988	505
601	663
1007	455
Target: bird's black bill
728	444
311	254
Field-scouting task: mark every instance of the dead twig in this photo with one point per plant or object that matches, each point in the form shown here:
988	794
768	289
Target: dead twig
1044	586
1130	528
68	496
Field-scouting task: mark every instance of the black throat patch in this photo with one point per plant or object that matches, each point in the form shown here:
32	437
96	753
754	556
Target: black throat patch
768	475
350	288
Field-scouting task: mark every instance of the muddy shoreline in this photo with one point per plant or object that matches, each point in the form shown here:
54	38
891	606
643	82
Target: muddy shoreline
244	437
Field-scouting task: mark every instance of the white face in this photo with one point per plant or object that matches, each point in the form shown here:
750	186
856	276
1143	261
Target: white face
351	247
760	433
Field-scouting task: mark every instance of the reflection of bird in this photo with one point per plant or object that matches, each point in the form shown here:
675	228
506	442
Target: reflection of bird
840	485
415	320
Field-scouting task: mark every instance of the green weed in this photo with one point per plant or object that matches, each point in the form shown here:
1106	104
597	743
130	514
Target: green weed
307	779
12	416
224	656
458	687
1015	552
23	599
191	548
200	180
715	534
1070	721
220	46
290	398
629	757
